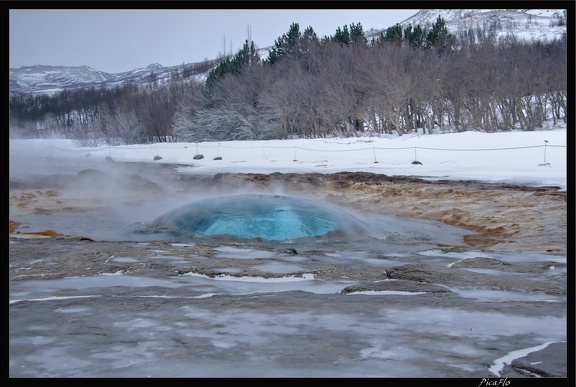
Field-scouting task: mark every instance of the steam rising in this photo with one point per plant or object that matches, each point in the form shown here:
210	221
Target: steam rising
102	199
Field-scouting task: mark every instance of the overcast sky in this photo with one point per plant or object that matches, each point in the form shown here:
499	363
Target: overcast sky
121	40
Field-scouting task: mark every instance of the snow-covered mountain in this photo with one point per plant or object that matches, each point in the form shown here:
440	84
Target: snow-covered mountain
526	24
50	79
530	24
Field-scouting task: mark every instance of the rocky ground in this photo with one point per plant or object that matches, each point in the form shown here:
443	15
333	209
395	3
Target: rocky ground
501	218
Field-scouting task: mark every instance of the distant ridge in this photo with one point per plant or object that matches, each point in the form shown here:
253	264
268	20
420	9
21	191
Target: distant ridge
526	24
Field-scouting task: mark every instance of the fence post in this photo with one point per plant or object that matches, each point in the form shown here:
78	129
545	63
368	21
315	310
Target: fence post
415	159
545	164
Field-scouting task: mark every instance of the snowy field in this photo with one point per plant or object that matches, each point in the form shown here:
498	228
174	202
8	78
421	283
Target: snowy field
536	158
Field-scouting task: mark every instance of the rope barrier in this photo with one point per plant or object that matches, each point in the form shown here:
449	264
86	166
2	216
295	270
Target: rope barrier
306	149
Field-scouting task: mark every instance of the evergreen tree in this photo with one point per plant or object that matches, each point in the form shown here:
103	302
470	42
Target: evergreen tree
394	33
309	35
286	44
245	57
342	36
415	36
357	34
438	34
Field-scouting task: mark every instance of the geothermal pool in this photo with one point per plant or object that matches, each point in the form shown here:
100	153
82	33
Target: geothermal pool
251	216
288	219
275	220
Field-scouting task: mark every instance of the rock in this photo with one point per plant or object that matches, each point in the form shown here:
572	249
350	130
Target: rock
289	251
419	272
549	362
396	285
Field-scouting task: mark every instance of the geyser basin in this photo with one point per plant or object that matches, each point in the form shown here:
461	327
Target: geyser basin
253	216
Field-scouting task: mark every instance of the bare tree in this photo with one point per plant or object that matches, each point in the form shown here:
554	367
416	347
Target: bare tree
126	128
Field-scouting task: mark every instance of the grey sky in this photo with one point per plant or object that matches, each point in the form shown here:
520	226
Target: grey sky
119	40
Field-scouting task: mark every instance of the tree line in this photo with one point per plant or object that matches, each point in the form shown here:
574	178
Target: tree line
401	81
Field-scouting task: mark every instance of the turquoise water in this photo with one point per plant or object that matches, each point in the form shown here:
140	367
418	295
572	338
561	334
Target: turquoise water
267	217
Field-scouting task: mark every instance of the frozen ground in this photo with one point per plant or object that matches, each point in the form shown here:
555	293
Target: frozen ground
473	285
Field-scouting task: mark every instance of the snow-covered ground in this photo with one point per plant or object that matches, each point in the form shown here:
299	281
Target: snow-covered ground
535	158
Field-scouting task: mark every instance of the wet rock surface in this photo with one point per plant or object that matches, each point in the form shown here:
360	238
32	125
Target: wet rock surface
164	308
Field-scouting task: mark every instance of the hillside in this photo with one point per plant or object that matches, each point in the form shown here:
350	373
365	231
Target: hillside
535	24
526	24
